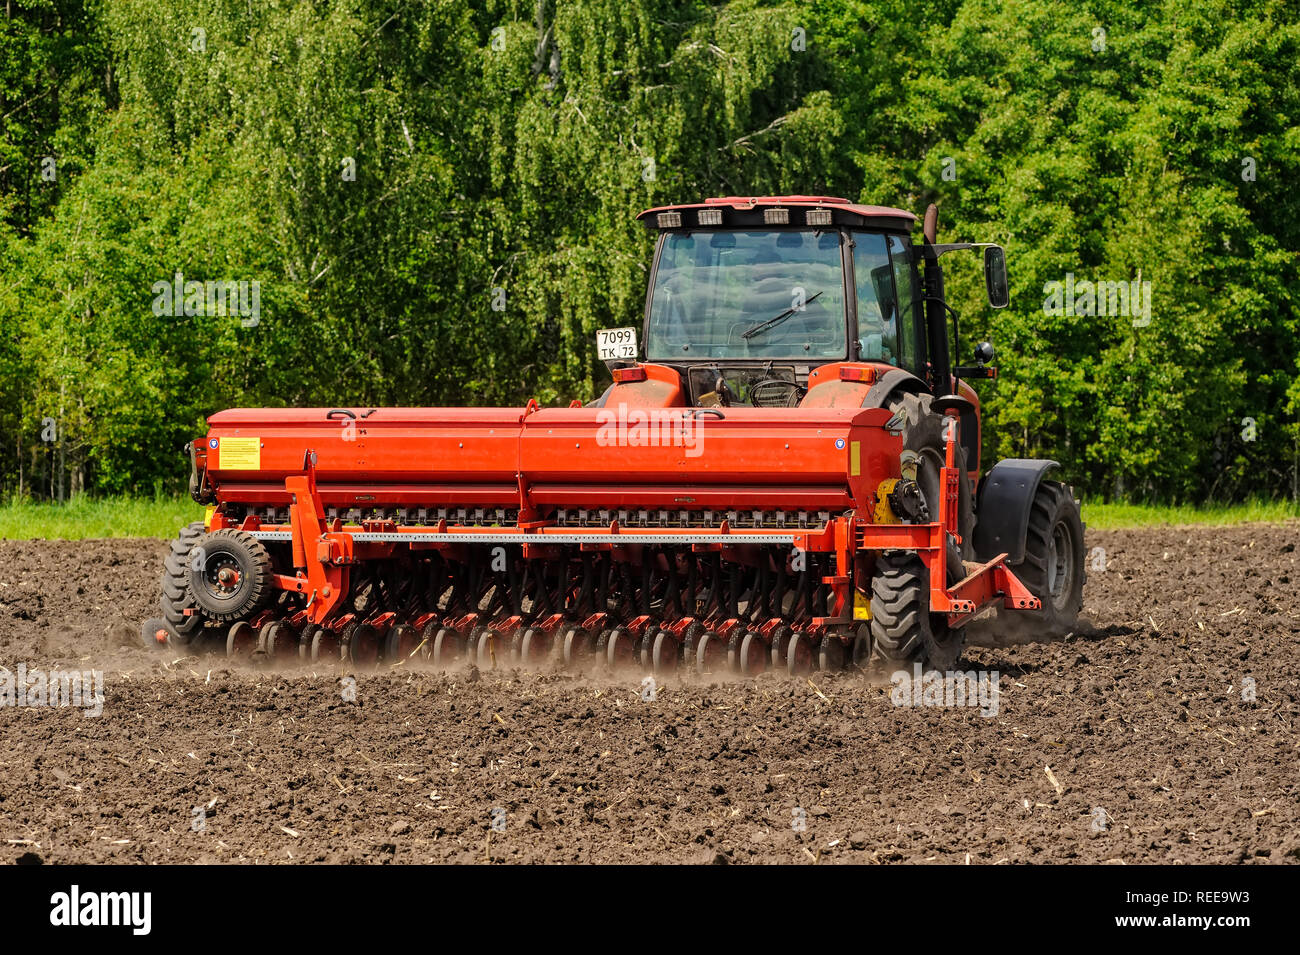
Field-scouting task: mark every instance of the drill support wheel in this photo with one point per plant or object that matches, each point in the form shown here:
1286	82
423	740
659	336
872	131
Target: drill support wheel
228	575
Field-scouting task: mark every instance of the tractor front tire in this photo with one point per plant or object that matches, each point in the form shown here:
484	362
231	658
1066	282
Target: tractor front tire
904	629
1053	567
923	434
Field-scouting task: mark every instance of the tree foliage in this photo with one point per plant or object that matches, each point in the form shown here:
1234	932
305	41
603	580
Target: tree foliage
436	200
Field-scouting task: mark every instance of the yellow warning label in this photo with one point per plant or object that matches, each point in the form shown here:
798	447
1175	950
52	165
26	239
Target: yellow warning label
209	512
861	606
884	513
855	458
240	454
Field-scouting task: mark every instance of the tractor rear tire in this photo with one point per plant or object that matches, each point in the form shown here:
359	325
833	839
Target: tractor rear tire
1053	566
175	596
904	629
249	589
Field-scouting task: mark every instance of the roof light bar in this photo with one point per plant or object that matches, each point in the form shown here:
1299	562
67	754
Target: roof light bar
818	217
670	220
776	216
709	217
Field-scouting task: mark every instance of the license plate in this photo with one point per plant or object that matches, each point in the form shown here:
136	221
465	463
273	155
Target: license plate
613	344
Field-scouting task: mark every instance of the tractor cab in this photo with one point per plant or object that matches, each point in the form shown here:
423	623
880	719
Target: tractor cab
749	296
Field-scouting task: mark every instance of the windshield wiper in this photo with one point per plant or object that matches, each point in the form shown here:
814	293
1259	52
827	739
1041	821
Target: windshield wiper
773	322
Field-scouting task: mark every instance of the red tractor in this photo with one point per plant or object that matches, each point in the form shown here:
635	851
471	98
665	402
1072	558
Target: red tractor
783	473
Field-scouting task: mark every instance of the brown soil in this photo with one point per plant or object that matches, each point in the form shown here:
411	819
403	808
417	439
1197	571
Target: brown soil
1140	718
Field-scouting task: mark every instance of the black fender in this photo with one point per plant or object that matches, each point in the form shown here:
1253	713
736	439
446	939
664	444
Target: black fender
900	381
1002	510
897	379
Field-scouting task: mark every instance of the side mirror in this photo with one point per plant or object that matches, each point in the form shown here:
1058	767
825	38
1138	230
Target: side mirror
984	352
995	276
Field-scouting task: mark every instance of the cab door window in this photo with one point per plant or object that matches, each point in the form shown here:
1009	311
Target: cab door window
873	280
908	310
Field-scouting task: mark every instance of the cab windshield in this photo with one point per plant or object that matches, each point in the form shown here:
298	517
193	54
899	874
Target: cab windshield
772	294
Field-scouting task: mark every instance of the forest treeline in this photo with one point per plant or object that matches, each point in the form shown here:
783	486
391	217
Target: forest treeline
361	202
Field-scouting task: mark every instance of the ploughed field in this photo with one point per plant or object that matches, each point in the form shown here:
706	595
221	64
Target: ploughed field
1140	738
